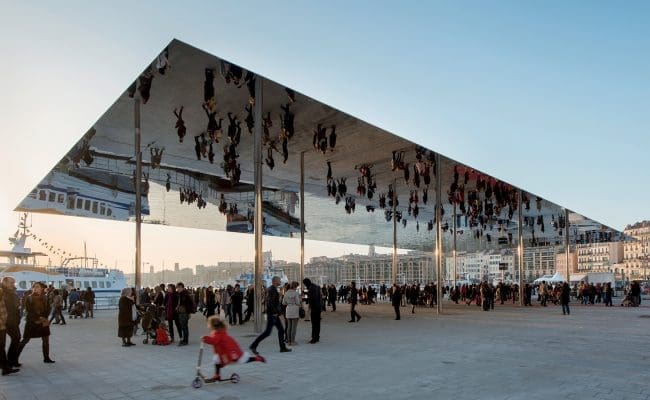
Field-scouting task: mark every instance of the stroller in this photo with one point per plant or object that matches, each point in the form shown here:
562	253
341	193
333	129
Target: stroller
150	318
77	310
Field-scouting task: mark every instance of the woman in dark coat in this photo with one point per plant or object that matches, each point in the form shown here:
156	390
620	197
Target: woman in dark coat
565	297
125	317
37	324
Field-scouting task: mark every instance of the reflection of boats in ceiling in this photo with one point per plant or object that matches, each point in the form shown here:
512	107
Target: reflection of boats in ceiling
84	193
280	214
237	223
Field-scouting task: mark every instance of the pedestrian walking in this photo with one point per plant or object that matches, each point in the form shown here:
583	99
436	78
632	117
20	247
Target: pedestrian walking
273	312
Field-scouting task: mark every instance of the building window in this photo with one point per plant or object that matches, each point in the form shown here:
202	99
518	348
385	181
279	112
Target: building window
51	197
61	199
94	207
87	205
80	204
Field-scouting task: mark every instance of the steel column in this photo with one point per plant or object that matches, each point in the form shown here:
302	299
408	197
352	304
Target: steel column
438	249
568	244
395	269
259	221
138	198
520	250
302	217
454	243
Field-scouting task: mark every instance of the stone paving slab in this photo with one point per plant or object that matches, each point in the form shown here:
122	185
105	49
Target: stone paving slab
508	353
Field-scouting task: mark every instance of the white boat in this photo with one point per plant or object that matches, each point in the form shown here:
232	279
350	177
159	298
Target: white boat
21	264
85	192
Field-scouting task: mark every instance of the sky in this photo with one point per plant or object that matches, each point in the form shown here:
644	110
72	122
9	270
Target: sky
550	96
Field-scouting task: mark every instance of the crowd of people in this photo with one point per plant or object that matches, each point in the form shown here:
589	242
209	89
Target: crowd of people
163	312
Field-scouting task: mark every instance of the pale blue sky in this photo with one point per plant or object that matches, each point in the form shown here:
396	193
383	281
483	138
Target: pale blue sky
551	96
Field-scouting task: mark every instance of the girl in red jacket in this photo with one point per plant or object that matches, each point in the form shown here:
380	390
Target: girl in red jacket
226	349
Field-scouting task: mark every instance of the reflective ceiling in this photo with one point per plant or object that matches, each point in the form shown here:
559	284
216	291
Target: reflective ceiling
197	144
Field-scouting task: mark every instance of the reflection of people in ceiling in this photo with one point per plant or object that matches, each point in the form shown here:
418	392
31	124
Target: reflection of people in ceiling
234	129
250	84
145	86
204	145
83	152
211	154
180	124
333	138
250	120
267	123
197	148
156	156
208	89
285	149
168	183
269	158
213	125
287	119
162	62
291	94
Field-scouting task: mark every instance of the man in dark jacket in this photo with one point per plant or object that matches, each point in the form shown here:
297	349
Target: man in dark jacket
331	296
353	299
184	308
273	312
396	300
12	329
314	300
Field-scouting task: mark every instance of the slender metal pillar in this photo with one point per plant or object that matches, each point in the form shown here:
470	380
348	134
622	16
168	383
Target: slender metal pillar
302	216
395	269
568	244
138	199
259	221
438	249
520	249
454	250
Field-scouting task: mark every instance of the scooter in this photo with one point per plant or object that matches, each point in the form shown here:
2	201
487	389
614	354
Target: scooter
200	379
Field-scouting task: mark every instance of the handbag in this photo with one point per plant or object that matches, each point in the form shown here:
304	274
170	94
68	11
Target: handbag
301	312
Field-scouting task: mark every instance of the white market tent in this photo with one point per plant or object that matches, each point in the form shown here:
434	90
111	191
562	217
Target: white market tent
550	279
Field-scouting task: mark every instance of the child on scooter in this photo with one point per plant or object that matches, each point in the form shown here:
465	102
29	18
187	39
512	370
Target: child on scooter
226	349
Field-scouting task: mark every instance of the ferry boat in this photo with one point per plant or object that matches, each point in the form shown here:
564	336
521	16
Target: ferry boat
268	272
21	264
85	192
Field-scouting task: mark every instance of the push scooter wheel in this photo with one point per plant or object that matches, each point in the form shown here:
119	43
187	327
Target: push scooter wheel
196	383
234	378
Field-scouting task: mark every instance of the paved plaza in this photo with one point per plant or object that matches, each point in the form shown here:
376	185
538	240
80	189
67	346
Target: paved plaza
509	353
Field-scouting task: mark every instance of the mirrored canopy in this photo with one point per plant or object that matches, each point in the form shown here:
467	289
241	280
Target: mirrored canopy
196	124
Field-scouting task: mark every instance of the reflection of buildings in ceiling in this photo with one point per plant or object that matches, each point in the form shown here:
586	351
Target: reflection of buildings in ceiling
84	192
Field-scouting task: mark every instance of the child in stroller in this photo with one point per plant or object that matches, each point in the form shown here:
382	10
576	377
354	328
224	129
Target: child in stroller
162	336
77	310
149	320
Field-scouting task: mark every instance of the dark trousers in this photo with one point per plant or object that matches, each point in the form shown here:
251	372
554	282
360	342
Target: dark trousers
271	321
14	334
396	307
4	363
182	324
170	325
45	346
354	315
237	313
315	325
333	304
565	308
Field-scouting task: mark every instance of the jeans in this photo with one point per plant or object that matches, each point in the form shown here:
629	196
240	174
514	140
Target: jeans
183	329
227	312
271	321
565	308
292	327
